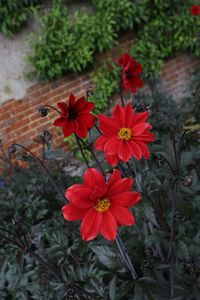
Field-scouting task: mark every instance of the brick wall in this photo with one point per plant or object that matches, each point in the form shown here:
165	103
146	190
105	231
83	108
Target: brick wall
21	123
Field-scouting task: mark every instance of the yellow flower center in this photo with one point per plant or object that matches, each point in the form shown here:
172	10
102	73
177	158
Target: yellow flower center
125	133
103	205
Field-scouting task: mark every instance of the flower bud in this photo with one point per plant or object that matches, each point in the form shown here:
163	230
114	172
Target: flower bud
43	111
47	136
89	93
187	181
24	156
12	149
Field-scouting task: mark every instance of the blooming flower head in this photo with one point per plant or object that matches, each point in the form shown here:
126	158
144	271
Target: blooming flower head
75	116
131	70
124	135
195	9
101	204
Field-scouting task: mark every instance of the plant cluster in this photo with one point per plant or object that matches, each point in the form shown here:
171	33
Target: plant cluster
14	15
155	255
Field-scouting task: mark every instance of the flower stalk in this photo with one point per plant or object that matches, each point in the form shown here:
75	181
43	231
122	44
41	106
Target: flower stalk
126	257
44	168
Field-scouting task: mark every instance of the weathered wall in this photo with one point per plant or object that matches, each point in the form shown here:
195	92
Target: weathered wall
20	121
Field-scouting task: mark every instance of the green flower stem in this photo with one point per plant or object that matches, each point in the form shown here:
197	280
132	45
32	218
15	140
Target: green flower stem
121	95
137	181
53	108
80	148
126	257
52	269
97	128
171	251
93	154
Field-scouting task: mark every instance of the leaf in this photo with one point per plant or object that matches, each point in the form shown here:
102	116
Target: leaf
54	154
112	288
186	159
162	266
150	215
180	297
106	256
148	280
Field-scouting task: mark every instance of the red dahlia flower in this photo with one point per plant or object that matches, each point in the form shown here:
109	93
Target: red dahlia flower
125	134
195	9
130	73
75	116
101	205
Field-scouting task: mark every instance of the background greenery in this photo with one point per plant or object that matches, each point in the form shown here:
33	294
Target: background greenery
14	15
74	39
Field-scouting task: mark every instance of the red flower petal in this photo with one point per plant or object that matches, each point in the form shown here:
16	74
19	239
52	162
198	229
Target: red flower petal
135	68
145	137
132	87
140	128
87	119
112	145
109	226
100	142
118	115
122	215
195	9
72	213
79	104
82	106
81	130
136	82
68	128
91	225
126	199
116	175
129	115
124	59
140	117
120	186
125	151
72	99
107	126
62	106
136	151
79	195
112	159
60	122
93	177
144	148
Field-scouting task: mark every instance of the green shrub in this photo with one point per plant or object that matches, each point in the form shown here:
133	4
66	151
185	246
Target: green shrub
14	14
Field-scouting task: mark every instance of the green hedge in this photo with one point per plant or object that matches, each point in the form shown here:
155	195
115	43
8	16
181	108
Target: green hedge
14	14
69	43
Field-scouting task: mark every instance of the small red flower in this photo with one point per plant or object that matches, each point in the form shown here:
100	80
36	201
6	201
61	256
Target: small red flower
101	204
131	70
195	9
125	135
75	116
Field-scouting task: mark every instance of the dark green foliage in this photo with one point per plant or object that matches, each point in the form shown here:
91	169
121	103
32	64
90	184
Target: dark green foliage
106	79
14	14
